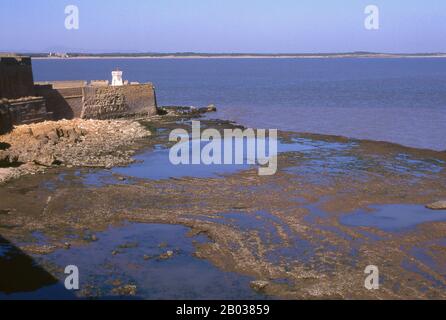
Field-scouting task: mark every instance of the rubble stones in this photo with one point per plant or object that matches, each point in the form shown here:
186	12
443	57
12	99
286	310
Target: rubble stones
259	285
78	142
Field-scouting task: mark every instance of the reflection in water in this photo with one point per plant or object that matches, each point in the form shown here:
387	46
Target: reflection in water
155	164
131	255
393	217
22	278
396	100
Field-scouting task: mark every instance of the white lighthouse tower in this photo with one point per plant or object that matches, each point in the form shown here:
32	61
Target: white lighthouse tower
117	78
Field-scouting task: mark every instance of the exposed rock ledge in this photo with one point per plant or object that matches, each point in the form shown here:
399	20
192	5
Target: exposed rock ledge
439	205
93	143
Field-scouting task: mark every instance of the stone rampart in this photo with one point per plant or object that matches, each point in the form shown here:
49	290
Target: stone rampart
118	101
16	77
5	118
64	103
24	101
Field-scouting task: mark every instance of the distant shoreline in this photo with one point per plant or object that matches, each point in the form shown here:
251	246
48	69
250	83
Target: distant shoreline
242	56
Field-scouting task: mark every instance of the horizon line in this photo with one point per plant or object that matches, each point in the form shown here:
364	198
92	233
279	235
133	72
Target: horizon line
193	53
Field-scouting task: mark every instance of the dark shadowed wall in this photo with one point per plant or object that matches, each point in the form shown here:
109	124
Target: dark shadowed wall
16	77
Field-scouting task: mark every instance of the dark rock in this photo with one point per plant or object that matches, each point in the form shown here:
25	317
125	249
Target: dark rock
184	110
5	118
211	108
4	146
128	245
4	156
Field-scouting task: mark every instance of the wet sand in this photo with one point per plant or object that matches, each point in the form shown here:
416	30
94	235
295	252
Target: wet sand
335	206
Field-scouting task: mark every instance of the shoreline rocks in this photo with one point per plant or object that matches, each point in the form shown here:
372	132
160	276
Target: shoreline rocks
187	111
127	290
259	285
70	143
167	255
439	205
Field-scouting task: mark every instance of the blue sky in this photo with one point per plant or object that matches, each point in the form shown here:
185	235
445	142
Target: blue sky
259	26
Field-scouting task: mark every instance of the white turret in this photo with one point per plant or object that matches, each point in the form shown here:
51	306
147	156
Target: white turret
117	78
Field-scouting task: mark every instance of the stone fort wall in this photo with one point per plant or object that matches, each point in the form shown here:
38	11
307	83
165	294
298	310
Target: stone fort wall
5	119
114	102
98	101
63	103
23	101
16	77
18	101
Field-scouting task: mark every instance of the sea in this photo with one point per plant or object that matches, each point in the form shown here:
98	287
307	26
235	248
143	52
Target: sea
399	100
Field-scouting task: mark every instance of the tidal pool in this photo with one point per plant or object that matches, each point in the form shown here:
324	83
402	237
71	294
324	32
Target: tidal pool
155	164
393	217
131	255
22	278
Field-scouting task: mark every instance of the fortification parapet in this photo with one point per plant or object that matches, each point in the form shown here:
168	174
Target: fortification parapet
118	101
16	77
29	102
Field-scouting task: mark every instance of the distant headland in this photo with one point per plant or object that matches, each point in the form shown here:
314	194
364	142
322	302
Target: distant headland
198	55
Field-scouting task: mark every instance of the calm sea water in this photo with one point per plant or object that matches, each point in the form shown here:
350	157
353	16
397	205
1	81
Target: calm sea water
396	100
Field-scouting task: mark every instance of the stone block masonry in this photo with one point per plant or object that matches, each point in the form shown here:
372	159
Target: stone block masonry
118	101
16	77
141	98
19	103
28	110
104	103
5	119
24	101
22	111
63	103
97	102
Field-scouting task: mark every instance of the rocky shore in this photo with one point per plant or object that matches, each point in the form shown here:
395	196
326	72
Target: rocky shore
291	233
88	143
29	149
